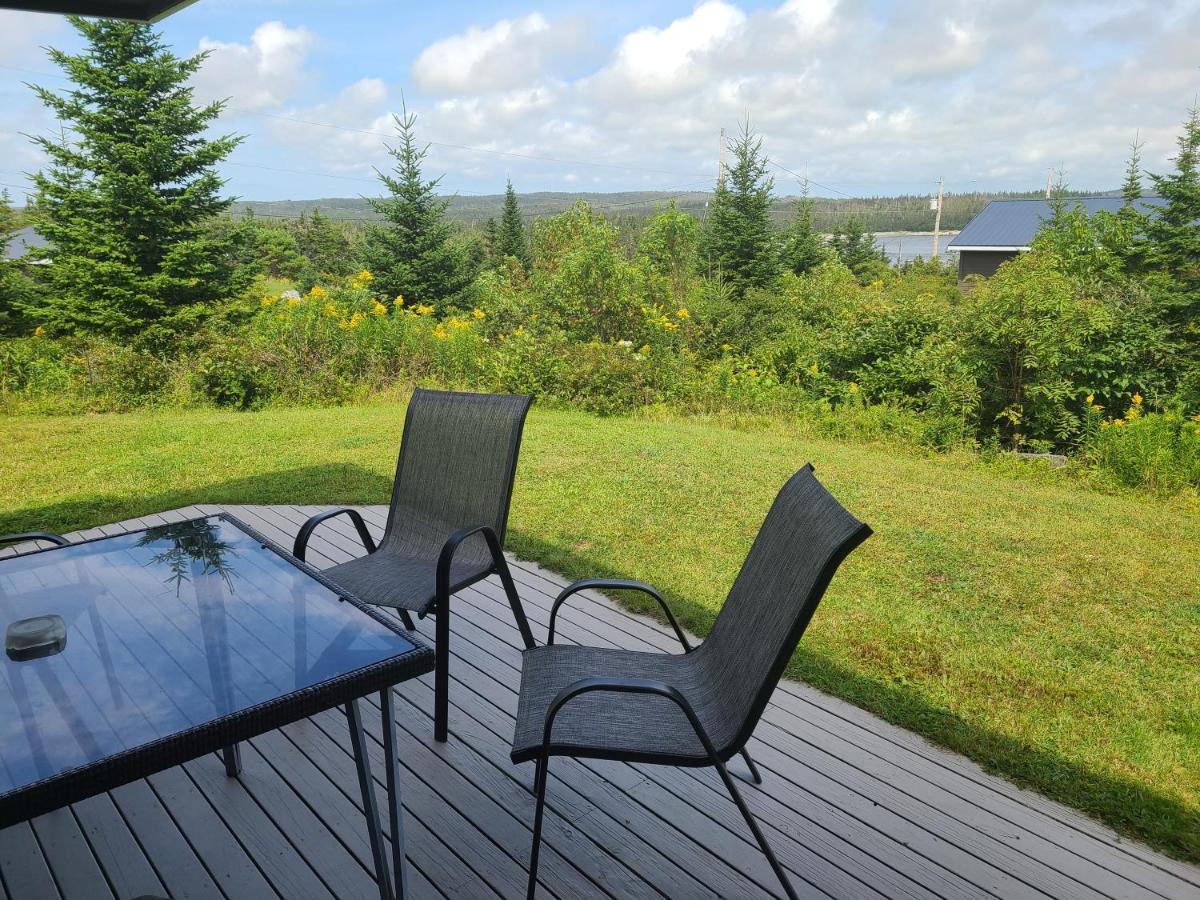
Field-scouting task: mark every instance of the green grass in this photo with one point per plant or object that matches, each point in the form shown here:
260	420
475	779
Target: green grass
1052	633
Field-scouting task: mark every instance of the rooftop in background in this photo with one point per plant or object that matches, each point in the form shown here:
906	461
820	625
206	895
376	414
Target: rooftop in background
135	10
1012	224
22	241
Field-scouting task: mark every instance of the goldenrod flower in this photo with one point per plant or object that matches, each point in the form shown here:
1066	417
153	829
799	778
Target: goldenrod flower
362	279
267	302
399	301
331	310
682	313
479	314
814	368
39	331
293	301
1089	399
1136	399
726	347
1118	421
353	322
318	292
379	309
854	387
644	350
423	309
440	333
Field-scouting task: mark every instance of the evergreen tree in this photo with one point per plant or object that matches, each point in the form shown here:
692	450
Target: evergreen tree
12	286
1174	232
803	248
128	188
738	244
325	246
510	237
857	249
413	254
491	239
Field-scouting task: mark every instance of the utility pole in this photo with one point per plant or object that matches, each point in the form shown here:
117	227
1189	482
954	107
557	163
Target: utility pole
937	221
1049	180
721	160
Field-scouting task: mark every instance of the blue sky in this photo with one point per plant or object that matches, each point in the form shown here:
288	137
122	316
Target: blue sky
864	97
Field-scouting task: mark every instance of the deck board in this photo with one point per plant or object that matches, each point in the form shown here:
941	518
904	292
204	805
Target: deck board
854	806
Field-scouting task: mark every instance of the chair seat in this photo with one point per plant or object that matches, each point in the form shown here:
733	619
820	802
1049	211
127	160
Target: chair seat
389	578
610	725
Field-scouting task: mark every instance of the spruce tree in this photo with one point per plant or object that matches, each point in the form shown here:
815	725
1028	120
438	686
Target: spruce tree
1174	232
803	248
491	240
738	244
129	186
12	286
510	236
326	246
857	249
412	254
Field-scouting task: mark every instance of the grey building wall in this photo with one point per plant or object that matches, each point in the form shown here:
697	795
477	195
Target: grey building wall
982	262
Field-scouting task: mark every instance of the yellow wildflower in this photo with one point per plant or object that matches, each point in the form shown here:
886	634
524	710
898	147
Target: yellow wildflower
267	302
726	347
479	314
854	387
457	324
1118	421
814	368
353	322
682	313
379	309
440	333
1090	399
318	292
423	309
362	279
1136	399
293	301
754	373
518	331
645	351
331	310
399	301
39	331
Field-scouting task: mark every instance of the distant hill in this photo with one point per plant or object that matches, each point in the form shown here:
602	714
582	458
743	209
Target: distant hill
902	213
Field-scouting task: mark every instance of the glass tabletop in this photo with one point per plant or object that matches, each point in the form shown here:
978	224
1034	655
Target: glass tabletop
118	642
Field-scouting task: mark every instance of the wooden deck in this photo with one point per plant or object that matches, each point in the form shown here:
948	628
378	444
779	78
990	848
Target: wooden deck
854	807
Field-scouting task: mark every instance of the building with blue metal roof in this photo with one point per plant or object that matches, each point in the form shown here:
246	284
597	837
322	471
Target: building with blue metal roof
1005	228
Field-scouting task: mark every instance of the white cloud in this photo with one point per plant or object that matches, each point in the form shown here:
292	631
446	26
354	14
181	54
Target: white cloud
505	55
262	74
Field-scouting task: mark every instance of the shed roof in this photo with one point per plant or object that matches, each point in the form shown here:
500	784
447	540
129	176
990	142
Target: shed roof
1011	224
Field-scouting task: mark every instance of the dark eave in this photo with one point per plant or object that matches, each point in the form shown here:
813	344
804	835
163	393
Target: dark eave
134	10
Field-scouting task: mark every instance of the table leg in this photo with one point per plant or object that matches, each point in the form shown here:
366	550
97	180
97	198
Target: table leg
387	703
232	757
358	739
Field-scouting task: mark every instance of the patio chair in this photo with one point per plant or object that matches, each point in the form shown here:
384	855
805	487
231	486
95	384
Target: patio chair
697	708
445	527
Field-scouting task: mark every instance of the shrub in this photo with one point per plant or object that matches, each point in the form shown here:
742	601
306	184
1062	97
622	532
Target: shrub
231	373
1160	451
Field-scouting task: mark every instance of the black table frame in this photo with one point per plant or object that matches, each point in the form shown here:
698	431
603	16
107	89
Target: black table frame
222	735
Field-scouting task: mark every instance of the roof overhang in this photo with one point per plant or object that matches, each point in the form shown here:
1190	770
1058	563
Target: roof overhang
986	248
134	10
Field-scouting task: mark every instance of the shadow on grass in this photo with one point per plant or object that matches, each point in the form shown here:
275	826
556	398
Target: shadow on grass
326	484
1123	804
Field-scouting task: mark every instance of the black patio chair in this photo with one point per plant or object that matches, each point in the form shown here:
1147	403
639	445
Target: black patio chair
445	527
700	707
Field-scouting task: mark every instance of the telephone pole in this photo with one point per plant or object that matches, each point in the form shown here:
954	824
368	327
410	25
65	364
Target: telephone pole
721	160
937	221
1049	180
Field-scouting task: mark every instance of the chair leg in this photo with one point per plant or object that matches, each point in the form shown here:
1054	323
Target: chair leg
758	835
539	789
441	676
406	619
755	776
514	600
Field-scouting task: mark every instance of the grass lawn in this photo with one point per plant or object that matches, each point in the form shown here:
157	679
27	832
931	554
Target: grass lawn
1050	632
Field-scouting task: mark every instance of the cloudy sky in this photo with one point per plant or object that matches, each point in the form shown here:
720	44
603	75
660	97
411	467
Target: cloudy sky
864	97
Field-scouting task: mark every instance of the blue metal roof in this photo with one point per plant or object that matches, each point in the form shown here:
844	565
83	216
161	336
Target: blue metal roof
1013	223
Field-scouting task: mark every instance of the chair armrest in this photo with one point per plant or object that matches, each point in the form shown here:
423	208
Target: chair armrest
21	538
622	584
624	686
306	530
446	557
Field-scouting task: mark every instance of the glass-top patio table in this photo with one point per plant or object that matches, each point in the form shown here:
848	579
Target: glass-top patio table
127	655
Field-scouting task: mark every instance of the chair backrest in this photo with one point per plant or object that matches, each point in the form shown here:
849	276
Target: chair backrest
800	545
458	458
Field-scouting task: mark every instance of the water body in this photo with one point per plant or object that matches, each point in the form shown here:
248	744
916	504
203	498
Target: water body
903	248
